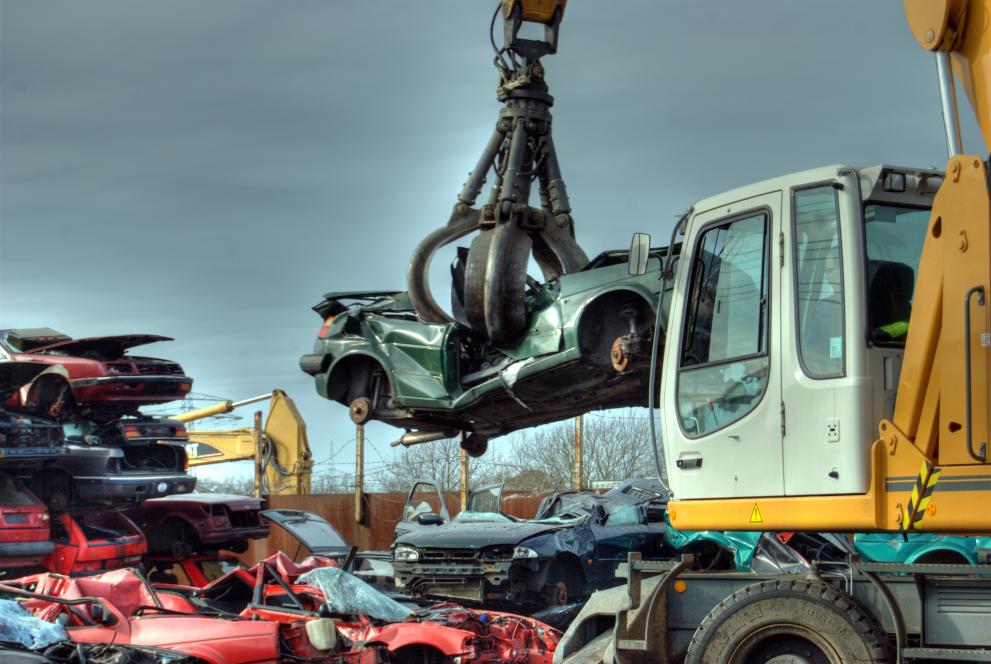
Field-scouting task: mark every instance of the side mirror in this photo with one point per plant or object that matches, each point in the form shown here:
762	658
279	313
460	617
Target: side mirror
639	254
429	519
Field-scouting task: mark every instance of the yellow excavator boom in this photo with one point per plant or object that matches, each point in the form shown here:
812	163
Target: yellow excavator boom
280	450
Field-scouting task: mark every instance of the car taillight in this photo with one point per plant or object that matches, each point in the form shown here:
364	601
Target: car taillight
44	516
180	432
325	327
132	431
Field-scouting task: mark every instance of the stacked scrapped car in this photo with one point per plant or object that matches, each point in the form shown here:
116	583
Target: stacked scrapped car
25	537
116	463
200	523
105	381
92	541
586	345
27	441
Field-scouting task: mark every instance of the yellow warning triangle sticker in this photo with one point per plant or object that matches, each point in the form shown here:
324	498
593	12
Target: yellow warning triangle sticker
755	516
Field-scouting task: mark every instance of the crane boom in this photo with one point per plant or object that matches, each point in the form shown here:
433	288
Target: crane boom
280	448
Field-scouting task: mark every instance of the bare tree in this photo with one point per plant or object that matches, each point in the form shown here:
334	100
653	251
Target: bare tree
439	462
616	446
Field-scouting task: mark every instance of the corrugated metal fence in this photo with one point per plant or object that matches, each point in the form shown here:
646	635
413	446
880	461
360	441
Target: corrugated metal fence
382	512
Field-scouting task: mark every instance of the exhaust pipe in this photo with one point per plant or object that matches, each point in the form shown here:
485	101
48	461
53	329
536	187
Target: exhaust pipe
420	437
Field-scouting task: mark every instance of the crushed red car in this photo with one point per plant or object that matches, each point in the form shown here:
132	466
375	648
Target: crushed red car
88	542
279	610
105	381
120	607
200	522
25	532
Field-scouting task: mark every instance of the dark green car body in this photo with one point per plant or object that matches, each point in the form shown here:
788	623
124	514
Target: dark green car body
443	377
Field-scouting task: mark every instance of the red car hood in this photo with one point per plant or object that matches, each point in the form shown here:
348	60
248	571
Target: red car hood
106	348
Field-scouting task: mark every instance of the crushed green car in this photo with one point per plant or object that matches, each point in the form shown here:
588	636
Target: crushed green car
586	346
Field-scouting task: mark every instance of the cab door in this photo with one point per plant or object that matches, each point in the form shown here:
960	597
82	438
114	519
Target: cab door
721	386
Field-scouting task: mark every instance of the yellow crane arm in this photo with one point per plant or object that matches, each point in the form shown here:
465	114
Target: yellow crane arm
960	29
280	449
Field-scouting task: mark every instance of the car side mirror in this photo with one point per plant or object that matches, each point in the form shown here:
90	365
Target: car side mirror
639	254
429	519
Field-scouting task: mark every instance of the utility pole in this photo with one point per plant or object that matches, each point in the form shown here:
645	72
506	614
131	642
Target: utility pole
464	474
578	470
359	473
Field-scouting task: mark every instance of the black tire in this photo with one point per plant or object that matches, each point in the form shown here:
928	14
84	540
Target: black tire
810	622
563	584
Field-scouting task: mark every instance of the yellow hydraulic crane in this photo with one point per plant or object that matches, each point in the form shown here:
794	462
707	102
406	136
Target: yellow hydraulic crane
283	463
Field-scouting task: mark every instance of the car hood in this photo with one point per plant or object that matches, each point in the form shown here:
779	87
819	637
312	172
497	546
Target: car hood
107	348
15	374
312	531
476	535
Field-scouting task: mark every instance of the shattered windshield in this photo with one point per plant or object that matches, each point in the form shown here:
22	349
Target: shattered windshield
348	595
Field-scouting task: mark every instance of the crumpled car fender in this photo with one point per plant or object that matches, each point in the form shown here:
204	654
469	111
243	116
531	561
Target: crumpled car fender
449	641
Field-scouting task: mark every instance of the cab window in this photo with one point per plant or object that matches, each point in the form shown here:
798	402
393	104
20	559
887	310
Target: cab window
819	282
895	236
724	363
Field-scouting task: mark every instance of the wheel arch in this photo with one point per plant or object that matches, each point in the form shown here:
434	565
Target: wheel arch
612	299
942	553
340	370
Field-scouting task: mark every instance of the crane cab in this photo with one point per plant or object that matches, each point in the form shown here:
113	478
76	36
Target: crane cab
792	298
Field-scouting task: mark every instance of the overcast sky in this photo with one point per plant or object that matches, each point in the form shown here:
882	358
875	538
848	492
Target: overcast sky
208	169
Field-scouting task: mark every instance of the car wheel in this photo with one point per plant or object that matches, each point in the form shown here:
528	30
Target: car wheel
562	586
475	444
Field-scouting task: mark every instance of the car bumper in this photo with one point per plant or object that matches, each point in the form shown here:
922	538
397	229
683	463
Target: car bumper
131	387
475	581
23	549
312	364
131	487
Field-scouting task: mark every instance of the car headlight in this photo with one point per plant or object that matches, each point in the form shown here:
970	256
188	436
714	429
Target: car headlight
407	553
524	552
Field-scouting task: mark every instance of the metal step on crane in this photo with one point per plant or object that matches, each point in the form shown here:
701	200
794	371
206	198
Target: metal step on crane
279	448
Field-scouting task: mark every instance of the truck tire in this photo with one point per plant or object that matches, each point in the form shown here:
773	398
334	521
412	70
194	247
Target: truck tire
789	620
